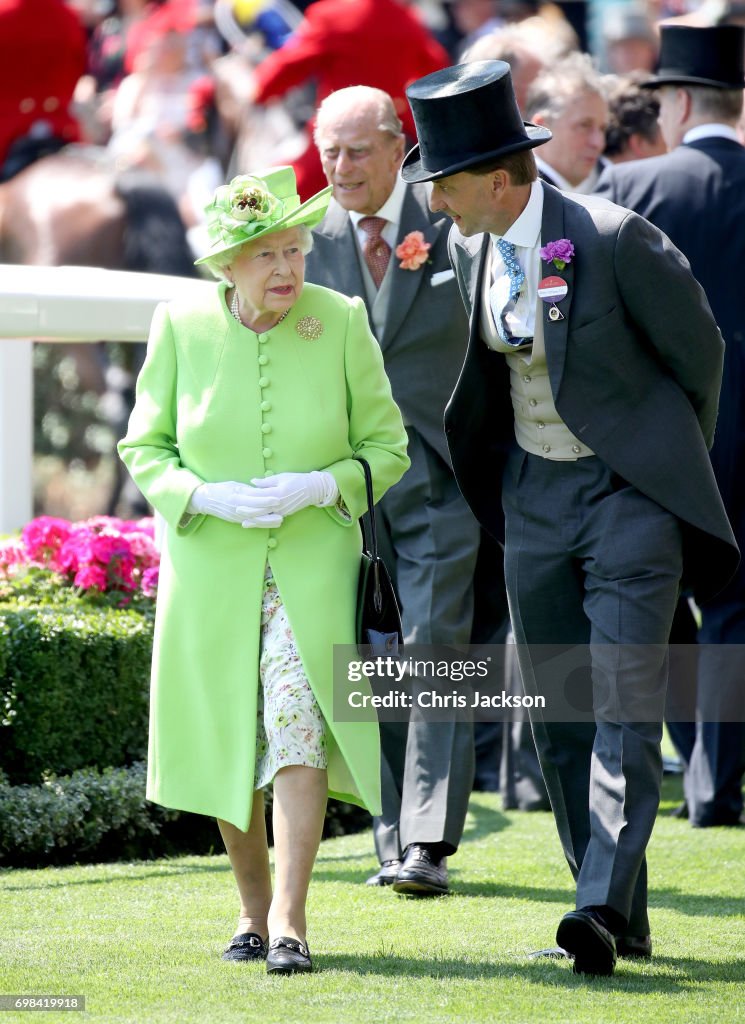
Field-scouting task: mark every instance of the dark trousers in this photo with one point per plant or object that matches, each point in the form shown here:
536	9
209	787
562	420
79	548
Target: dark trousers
592	562
430	541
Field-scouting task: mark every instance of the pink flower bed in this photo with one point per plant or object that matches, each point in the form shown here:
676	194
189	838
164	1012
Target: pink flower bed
102	553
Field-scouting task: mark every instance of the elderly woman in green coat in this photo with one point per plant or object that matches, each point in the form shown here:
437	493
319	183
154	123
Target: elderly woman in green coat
251	408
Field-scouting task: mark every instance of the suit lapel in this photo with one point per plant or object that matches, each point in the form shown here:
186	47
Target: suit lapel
415	216
337	227
555	331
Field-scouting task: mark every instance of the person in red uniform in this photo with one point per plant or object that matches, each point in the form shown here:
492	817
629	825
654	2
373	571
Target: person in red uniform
350	42
42	56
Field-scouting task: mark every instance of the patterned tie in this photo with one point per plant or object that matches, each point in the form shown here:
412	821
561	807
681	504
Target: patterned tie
501	299
376	250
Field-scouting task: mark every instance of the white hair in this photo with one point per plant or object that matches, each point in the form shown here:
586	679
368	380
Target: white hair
353	99
217	263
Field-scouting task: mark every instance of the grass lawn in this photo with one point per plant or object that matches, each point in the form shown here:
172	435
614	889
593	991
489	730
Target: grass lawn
142	941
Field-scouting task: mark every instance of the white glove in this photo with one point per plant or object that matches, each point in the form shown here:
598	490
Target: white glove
235	503
293	491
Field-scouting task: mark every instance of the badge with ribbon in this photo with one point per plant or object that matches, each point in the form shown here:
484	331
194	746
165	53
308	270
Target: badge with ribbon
552	290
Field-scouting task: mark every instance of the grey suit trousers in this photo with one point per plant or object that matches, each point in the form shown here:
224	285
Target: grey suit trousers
430	541
591	561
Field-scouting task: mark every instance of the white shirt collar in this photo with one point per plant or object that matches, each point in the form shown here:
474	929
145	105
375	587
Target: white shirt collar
710	131
391	208
556	179
526	230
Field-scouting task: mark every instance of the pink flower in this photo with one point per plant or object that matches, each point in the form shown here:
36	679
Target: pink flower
43	538
559	253
12	552
149	583
91	577
413	251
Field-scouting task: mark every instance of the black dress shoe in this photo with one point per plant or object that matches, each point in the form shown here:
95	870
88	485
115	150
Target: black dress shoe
246	946
386	875
634	947
420	874
288	956
584	934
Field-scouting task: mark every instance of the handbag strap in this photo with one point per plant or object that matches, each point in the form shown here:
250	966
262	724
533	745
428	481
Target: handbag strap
371	545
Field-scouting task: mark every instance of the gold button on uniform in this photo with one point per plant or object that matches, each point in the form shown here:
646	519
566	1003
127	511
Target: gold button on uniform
50	104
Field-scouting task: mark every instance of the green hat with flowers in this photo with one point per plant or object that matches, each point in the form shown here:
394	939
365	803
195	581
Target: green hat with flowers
253	205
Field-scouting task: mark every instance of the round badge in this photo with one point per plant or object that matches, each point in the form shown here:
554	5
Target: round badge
552	289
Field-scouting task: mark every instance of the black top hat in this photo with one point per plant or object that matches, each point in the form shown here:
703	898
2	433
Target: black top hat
466	115
701	56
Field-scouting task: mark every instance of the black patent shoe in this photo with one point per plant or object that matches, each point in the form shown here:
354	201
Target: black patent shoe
386	874
246	946
421	874
288	956
583	933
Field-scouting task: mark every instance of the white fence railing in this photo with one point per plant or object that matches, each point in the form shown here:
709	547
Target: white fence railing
60	304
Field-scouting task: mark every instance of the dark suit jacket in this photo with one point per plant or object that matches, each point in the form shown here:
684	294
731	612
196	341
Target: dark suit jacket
696	195
424	341
635	369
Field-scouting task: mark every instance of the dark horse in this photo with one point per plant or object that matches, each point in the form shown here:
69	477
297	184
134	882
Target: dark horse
70	208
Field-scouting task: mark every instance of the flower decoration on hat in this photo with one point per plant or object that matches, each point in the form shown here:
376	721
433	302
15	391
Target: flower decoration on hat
250	200
560	253
413	251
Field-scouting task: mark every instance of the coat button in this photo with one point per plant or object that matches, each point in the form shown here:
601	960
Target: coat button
540	425
533	402
263	360
263	382
266	428
27	105
266	406
263	339
271	543
267	453
547	447
50	104
576	449
527	378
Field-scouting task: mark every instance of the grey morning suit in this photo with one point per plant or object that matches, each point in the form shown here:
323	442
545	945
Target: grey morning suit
430	535
595	548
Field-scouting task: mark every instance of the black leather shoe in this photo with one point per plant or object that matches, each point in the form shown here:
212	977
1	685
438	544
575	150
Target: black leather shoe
420	874
288	956
583	933
386	875
246	946
634	947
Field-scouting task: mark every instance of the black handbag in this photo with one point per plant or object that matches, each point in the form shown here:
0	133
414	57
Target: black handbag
378	617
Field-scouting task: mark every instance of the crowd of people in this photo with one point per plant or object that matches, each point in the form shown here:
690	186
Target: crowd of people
539	444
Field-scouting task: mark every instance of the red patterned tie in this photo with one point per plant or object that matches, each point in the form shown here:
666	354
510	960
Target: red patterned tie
376	250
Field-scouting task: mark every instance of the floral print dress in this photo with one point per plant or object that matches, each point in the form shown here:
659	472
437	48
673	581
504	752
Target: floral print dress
289	727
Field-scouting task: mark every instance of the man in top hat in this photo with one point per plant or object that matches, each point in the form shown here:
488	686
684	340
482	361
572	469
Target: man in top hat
579	430
696	195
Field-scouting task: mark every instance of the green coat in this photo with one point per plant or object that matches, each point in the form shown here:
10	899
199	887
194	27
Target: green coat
216	402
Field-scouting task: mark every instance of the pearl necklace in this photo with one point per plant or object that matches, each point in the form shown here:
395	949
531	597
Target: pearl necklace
235	311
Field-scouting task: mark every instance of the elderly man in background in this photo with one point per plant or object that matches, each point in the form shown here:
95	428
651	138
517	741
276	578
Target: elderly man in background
569	99
380	241
696	195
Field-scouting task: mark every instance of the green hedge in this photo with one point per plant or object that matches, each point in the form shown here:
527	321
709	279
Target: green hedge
73	687
102	816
